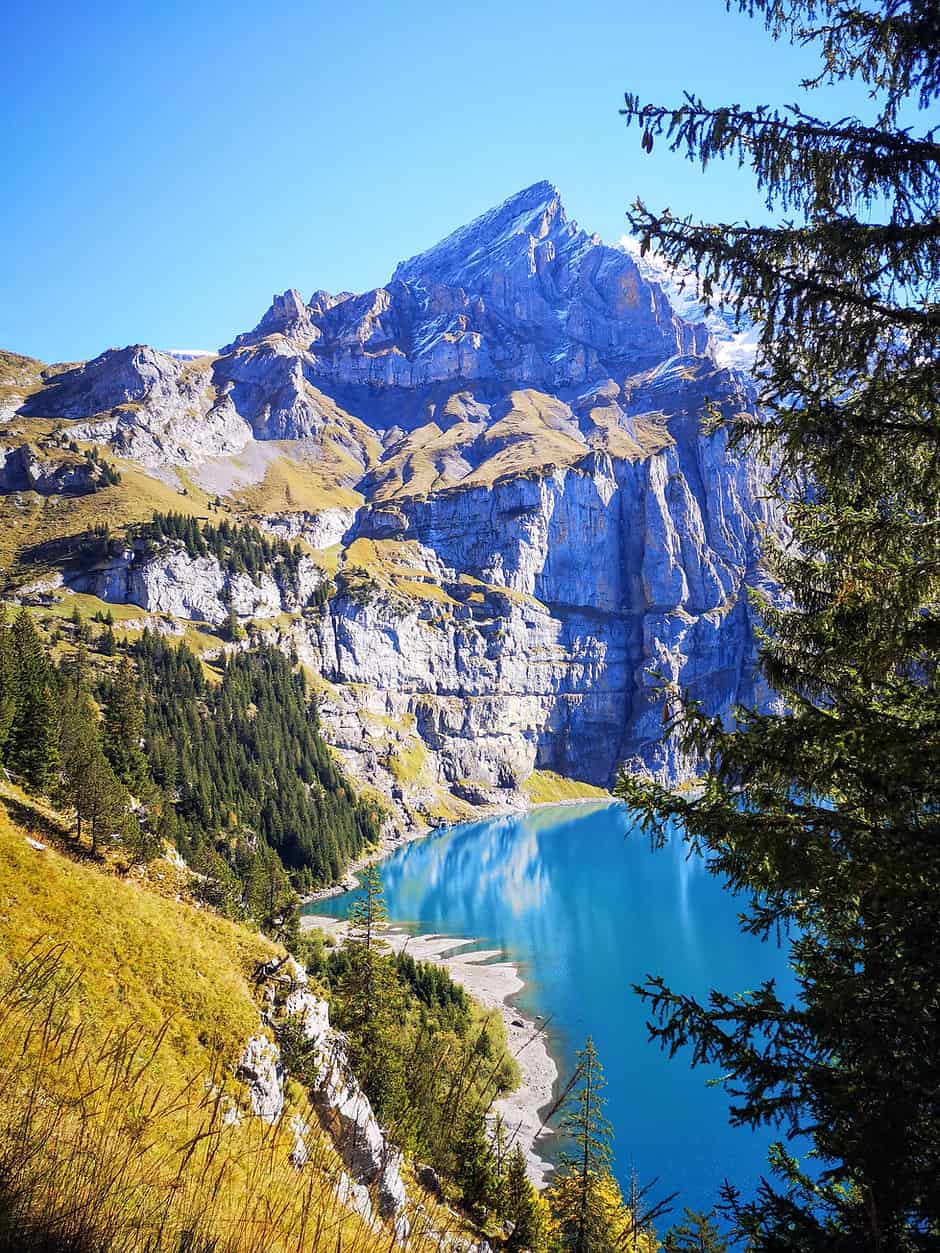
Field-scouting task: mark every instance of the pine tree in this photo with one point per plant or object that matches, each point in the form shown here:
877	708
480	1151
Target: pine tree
522	1208
476	1166
32	737
101	800
234	630
576	1197
220	886
9	686
74	672
272	900
144	836
245	757
697	1233
367	921
77	744
88	784
124	729
828	815
372	1002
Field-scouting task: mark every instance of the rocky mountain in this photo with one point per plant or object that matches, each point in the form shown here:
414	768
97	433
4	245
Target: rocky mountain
514	525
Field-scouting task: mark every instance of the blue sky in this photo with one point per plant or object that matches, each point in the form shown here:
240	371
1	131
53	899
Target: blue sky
167	167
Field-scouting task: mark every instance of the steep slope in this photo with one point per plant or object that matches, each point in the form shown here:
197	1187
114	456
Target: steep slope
496	462
147	1096
124	1014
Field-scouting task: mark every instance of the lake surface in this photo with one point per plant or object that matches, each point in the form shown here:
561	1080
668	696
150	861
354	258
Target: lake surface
586	913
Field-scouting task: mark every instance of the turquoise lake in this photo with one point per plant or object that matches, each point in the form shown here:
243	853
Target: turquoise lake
587	912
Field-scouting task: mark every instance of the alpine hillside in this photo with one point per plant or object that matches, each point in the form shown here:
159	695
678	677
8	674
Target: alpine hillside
499	523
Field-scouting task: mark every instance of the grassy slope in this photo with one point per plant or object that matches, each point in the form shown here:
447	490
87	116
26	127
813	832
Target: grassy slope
141	957
27	519
146	1145
544	787
19	377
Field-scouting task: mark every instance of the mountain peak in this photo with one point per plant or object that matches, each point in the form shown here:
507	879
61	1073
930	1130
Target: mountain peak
539	196
494	237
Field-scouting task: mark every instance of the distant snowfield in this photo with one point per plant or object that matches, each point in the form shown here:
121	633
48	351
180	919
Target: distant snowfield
189	354
735	346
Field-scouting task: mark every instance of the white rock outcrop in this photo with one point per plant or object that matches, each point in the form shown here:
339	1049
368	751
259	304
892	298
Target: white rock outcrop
260	1068
373	1163
173	582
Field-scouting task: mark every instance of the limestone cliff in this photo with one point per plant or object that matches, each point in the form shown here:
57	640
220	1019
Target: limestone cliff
497	467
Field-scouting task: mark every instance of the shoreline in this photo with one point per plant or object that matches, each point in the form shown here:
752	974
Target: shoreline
388	844
492	984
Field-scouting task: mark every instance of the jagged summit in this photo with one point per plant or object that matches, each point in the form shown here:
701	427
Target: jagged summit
535	213
519	295
287	315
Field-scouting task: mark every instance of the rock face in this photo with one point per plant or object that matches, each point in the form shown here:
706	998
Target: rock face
528	530
23	469
171	581
261	1070
616	568
374	1164
146	405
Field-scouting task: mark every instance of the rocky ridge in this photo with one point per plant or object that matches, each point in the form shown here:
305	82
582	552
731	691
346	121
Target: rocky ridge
523	527
372	1184
374	1187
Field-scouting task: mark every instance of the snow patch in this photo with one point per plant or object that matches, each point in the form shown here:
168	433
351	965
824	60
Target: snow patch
734	343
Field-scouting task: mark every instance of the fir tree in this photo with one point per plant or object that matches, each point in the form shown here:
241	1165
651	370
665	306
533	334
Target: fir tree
828	815
697	1233
577	1199
522	1207
124	729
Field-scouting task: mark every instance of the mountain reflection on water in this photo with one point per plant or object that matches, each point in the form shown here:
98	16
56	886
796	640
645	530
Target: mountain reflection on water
587	913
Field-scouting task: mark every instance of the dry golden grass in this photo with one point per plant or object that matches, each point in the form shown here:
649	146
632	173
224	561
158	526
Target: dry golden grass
140	957
292	483
396	567
650	433
19	377
122	1012
423	461
537	430
15	367
544	787
28	519
99	1154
